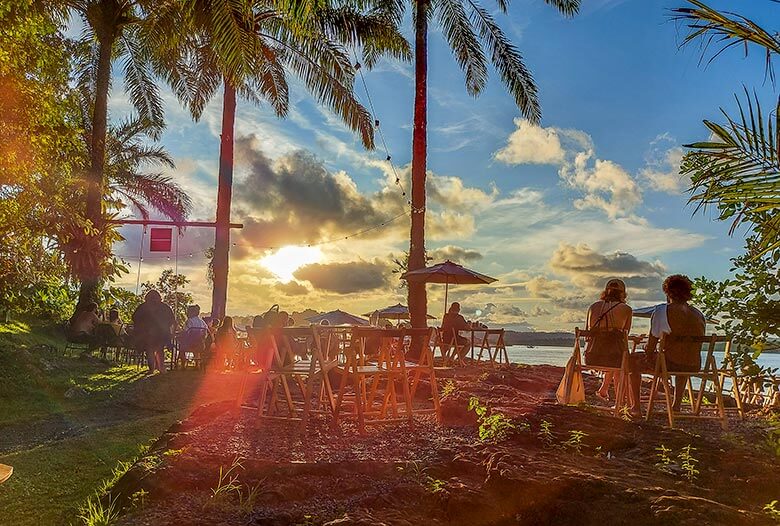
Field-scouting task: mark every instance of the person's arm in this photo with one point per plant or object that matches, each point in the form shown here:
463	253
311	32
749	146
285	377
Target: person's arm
462	323
629	320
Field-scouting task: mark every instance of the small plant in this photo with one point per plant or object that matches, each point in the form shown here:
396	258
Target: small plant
227	484
545	433
138	499
625	413
435	485
247	500
173	452
772	510
484	376
494	426
688	462
663	455
575	440
93	513
448	388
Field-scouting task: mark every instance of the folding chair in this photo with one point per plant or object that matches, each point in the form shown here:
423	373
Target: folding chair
728	370
496	350
423	367
287	384
374	388
451	352
622	385
708	373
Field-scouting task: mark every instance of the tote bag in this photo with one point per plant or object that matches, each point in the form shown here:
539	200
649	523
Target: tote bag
572	388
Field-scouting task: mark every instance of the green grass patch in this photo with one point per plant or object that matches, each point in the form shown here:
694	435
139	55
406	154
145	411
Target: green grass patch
50	482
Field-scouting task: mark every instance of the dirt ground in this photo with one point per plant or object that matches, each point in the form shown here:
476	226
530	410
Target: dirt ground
433	473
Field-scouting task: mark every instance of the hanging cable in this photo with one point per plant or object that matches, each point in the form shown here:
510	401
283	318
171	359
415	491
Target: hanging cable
140	260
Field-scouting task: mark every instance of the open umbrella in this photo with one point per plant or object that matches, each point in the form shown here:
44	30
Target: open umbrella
338	317
394	312
647	312
447	272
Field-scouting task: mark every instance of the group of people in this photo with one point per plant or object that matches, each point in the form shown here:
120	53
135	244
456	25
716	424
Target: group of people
609	322
91	327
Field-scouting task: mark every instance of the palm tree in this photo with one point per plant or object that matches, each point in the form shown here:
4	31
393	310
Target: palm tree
738	168
111	34
472	33
249	49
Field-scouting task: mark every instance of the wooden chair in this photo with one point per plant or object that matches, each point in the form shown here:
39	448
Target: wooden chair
708	373
728	370
496	350
374	384
451	352
622	385
423	367
287	384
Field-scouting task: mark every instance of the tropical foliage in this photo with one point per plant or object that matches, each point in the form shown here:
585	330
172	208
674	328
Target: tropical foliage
747	305
737	169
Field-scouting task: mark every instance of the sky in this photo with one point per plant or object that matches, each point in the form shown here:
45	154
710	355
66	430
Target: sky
552	211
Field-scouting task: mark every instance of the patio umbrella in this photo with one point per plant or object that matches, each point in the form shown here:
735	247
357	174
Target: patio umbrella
647	312
338	317
394	312
447	272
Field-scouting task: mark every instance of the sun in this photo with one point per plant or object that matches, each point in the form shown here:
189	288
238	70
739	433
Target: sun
285	261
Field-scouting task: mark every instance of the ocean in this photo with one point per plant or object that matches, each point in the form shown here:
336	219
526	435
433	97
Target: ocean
543	354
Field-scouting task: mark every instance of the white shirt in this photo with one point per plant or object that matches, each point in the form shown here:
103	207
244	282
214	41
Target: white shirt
195	323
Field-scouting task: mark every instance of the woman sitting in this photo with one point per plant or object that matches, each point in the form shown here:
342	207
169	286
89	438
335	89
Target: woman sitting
226	343
609	321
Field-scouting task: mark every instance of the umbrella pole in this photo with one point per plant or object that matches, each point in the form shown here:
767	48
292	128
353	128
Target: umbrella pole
446	290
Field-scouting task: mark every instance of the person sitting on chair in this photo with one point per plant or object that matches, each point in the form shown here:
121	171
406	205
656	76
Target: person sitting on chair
116	323
676	318
193	336
453	322
82	330
609	321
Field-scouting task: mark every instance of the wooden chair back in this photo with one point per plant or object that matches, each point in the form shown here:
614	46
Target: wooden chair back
622	384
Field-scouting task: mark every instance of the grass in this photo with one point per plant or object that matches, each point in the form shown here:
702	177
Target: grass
53	480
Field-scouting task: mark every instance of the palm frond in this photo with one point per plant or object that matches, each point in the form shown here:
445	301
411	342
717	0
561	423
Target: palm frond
139	77
464	44
725	30
155	190
566	7
738	170
508	62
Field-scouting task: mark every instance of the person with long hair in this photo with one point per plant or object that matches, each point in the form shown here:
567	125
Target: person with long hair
609	321
153	323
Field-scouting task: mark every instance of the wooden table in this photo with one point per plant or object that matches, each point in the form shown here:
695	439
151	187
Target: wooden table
496	351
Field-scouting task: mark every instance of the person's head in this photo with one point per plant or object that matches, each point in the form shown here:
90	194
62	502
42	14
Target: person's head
227	323
614	290
153	297
113	315
455	307
91	307
324	322
281	319
678	288
193	311
258	322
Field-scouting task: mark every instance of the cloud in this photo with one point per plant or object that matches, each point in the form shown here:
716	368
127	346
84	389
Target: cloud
532	144
291	288
538	311
345	278
454	253
606	185
589	270
662	171
544	287
571	317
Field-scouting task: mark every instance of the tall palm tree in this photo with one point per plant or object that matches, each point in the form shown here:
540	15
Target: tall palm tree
472	33
111	34
738	168
249	48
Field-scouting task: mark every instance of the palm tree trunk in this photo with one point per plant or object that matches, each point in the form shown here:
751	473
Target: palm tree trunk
224	196
417	295
90	282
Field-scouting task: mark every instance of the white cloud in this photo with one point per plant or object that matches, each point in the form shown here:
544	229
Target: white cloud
662	170
607	186
532	144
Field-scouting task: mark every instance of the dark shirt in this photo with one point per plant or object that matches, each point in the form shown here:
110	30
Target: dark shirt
453	321
152	321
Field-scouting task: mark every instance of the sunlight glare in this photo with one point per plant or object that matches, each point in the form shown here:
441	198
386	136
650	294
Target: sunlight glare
285	261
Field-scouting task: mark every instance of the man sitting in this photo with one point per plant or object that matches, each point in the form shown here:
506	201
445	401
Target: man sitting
676	318
82	330
453	322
